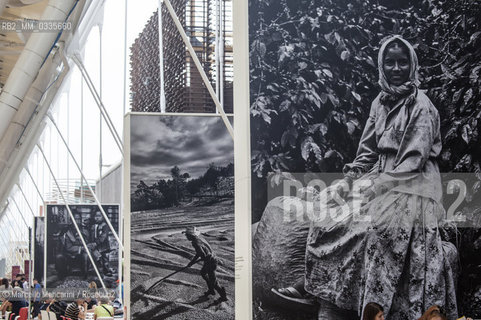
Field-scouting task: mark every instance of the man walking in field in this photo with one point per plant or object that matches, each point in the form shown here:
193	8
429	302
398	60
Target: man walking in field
203	252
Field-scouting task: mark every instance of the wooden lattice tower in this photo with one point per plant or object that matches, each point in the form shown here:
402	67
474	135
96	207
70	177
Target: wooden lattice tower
184	89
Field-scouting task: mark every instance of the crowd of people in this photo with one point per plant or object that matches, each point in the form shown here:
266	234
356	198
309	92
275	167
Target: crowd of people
100	305
76	310
19	284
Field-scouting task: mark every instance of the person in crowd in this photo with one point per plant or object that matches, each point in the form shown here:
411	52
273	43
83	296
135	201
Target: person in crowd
76	309
373	311
203	252
118	309
36	297
57	307
16	281
19	302
25	285
119	296
45	304
93	285
5	306
73	251
119	291
91	301
379	240
436	312
4	285
104	309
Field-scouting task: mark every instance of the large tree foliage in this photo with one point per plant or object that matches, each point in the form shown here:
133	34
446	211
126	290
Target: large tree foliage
180	188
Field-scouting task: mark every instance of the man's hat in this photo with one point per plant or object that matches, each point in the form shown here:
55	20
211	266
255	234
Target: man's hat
191	231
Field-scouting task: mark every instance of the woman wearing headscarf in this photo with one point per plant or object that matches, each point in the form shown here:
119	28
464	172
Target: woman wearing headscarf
379	240
388	248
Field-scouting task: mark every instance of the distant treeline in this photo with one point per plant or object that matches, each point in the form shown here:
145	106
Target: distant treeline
170	192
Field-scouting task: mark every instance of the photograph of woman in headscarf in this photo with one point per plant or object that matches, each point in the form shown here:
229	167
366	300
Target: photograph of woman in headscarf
396	258
382	233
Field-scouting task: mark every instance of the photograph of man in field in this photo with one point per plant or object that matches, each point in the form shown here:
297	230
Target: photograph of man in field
182	220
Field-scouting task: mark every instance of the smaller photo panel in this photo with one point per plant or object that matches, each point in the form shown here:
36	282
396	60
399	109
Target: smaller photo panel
182	217
39	249
68	264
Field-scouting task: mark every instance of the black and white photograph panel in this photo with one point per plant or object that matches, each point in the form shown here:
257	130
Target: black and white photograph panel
39	249
182	217
371	111
68	263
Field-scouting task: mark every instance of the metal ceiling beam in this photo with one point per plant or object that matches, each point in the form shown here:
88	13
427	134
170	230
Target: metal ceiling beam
29	63
19	155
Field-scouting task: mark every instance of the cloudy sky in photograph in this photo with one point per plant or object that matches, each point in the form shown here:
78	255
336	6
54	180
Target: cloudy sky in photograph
158	143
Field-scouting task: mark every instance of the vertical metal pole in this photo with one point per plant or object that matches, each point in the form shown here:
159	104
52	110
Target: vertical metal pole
216	49
43	178
161	58
68	139
81	136
100	115
72	218
45	248
57	150
125	55
50	156
242	163
30	273
221	53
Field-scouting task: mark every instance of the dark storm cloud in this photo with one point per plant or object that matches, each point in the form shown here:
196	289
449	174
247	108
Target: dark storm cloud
146	159
158	143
